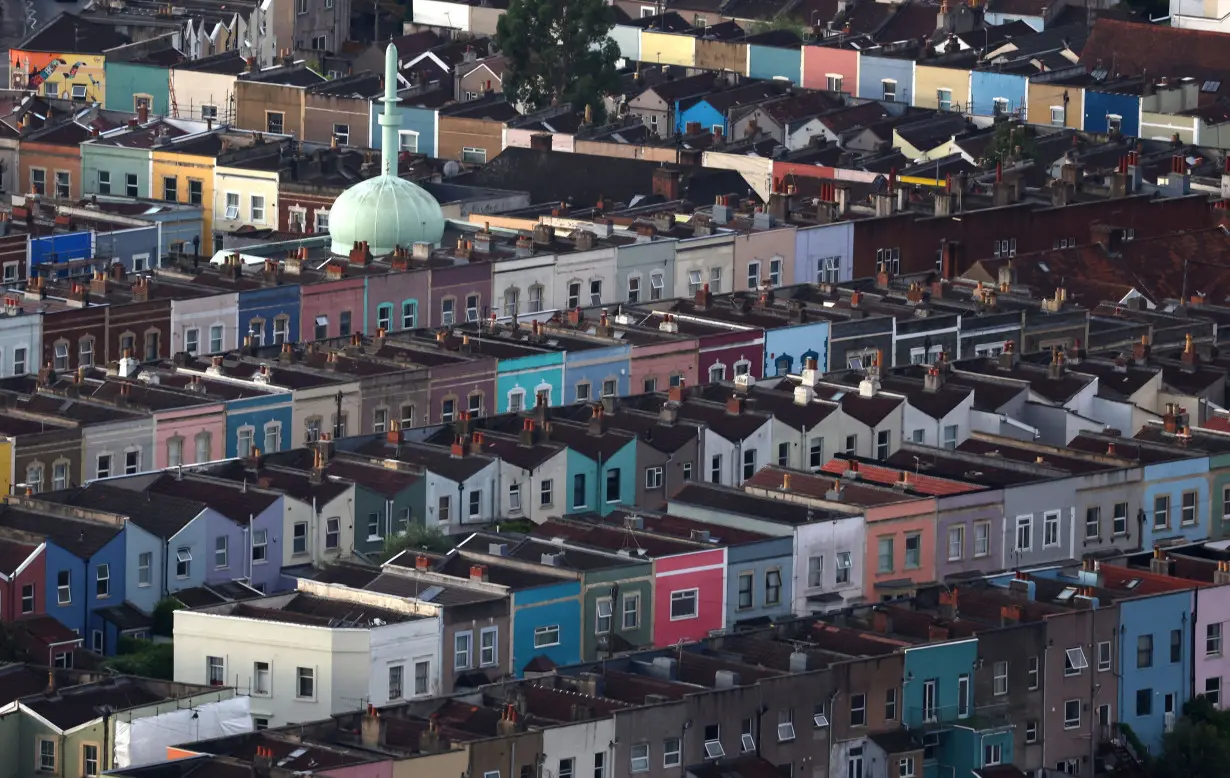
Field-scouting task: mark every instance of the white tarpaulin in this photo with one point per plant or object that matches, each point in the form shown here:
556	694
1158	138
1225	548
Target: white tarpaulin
145	740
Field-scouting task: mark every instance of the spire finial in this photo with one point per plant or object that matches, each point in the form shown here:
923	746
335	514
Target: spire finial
390	120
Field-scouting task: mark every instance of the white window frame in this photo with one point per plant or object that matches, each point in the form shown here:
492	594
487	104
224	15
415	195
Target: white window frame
680	595
546	636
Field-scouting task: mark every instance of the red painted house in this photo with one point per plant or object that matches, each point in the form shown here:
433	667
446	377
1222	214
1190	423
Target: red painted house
22	575
689	596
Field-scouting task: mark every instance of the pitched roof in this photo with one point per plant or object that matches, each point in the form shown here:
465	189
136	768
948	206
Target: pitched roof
13	553
159	514
71	33
1133	49
76	705
552	176
235	503
80	538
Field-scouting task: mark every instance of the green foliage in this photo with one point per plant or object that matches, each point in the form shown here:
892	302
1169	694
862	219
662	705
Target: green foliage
1012	143
523	526
557	51
780	22
1199	745
144	658
1134	741
164	616
417	538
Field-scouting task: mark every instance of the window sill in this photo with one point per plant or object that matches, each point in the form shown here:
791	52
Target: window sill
684	618
370	539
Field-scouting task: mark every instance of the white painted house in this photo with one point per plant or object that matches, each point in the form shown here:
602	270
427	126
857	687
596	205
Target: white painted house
312	653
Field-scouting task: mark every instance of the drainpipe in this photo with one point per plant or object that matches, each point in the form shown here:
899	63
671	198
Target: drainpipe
1046	650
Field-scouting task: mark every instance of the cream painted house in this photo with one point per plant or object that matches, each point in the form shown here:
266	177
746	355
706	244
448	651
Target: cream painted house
321	650
205	88
246	193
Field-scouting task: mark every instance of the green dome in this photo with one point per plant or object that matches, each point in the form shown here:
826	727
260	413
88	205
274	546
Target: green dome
387	212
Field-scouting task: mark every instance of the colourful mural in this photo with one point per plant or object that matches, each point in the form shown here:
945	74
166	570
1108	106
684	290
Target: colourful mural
68	75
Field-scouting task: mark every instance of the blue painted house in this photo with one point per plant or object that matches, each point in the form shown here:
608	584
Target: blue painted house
758	582
938	699
595	370
1107	108
1155	662
1176	501
59	248
85	565
765	61
993	93
887	79
701	111
526	376
420	121
601	466
251	412
785	347
546	622
268	304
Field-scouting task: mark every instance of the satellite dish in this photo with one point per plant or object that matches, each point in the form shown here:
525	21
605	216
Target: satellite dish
451	168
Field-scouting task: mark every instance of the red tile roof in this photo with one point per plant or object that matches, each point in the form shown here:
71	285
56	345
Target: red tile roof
1115	577
916	482
1131	49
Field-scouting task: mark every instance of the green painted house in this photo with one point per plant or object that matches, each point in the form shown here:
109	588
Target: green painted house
387	501
108	167
61	732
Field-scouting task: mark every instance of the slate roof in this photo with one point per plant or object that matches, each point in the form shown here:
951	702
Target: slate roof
817	487
71	33
725	99
437	459
458	565
552	176
13	553
19	680
232	502
125	617
382	480
728	500
76	705
159	514
916	482
80	538
293	483
855	116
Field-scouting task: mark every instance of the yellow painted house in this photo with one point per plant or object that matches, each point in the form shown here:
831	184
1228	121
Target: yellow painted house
65	58
6	465
183	172
666	48
943	89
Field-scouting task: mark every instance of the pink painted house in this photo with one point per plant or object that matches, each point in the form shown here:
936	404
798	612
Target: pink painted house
762	257
194	433
689	596
659	360
900	547
831	68
1212	657
332	308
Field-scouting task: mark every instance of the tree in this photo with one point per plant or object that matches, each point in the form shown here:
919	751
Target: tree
779	22
417	538
1199	745
558	51
1011	142
144	658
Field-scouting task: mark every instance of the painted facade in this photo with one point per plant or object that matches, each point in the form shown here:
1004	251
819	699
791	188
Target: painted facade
1155	663
689	596
546	622
759	581
520	379
830	67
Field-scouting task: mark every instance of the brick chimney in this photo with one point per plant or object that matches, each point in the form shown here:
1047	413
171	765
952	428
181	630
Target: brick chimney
1190	358
360	254
704	298
734	405
597	420
666	182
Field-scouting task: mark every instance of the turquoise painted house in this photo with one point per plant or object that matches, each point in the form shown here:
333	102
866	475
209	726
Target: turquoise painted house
546	622
960	735
138	77
601	466
519	380
110	169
